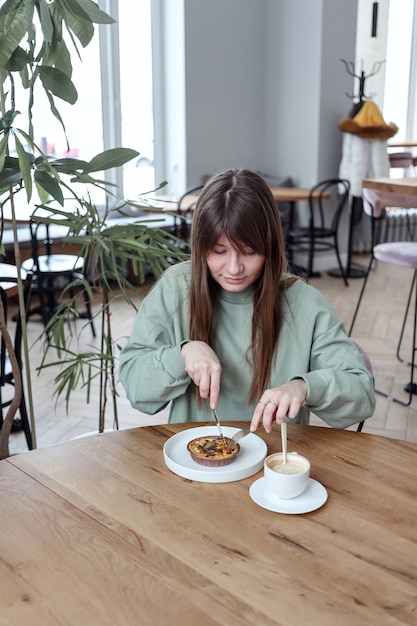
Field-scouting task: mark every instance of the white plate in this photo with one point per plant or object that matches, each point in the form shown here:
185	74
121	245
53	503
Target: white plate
312	498
250	459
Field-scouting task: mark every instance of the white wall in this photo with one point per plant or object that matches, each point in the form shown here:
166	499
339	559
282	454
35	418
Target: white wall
306	40
371	50
225	85
264	86
168	51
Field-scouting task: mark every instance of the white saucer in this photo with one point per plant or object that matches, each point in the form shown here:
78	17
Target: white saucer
314	496
249	461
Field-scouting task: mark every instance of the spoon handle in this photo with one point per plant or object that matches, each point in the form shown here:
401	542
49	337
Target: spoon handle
284	440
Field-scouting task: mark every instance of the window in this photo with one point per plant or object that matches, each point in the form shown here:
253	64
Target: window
118	64
398	66
136	94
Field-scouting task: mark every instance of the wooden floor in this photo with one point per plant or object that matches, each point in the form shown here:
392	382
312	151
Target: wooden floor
377	330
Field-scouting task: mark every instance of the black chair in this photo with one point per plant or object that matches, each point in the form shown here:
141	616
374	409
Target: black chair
185	206
53	273
368	364
317	236
6	372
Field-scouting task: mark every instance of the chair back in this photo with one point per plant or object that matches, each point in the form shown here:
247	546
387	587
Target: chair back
318	202
41	242
185	206
368	364
17	343
7	375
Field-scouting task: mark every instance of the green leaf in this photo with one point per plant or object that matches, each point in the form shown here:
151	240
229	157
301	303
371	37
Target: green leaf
15	19
29	141
47	24
69	165
25	167
57	20
50	185
58	83
82	28
18	60
6	121
43	195
115	157
94	13
60	57
57	115
9	176
3	149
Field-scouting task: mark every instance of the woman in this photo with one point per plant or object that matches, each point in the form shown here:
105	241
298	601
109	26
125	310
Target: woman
231	330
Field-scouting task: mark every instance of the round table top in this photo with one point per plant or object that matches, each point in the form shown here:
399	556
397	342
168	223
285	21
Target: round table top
162	545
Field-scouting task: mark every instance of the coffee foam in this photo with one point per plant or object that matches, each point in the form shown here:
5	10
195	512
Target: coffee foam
292	466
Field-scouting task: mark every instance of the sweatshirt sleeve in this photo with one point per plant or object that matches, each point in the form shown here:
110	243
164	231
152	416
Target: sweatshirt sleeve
151	367
340	388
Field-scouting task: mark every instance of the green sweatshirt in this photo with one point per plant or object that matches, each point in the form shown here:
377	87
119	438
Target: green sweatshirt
313	345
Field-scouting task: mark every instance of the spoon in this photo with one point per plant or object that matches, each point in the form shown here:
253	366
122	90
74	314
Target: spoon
284	441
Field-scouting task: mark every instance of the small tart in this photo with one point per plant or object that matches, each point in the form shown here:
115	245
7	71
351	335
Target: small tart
211	451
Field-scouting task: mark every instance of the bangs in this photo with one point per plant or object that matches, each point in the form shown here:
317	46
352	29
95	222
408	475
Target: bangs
238	224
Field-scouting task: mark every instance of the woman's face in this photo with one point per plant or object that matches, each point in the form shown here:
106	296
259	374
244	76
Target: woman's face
233	269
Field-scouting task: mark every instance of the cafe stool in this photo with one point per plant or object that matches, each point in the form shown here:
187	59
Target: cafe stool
403	254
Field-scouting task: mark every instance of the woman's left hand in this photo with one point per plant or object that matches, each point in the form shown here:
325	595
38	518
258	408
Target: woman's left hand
278	403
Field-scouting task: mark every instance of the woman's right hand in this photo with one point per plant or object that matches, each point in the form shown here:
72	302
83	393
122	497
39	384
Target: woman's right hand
203	366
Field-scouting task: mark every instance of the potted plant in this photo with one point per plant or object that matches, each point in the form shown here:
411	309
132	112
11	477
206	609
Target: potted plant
40	57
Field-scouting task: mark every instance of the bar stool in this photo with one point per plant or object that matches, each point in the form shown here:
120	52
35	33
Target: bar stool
400	160
400	253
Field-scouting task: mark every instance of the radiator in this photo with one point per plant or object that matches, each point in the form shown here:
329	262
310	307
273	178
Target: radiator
399	225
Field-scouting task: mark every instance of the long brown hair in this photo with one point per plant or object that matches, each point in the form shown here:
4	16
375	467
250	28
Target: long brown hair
240	205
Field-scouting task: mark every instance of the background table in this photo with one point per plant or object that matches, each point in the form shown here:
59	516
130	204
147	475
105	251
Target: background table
99	531
406	185
405	143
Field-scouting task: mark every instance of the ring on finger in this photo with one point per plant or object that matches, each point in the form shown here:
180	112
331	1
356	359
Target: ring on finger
273	404
264	403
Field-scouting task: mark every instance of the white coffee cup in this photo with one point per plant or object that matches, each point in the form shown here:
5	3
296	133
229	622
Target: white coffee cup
286	480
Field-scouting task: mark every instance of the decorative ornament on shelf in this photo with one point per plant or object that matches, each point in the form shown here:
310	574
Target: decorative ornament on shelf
365	119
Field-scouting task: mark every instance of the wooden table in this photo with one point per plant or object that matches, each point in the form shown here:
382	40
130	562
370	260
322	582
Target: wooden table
294	194
405	143
389	192
406	185
281	194
98	531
